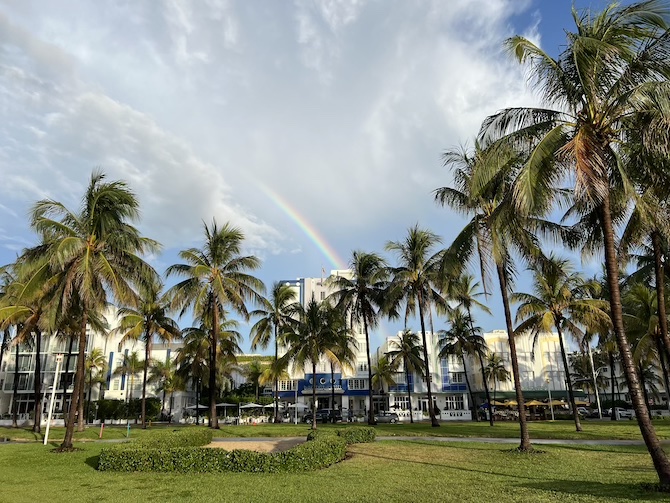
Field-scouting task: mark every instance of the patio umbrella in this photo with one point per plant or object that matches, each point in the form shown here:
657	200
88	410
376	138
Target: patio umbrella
535	403
224	404
581	402
511	403
199	406
250	406
298	406
555	402
495	402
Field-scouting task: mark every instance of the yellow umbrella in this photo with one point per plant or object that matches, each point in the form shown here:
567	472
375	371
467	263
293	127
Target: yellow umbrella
555	402
535	403
511	403
581	402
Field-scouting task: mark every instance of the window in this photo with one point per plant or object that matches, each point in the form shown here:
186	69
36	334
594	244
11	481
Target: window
358	384
115	384
455	402
362	367
457	377
323	295
402	402
286	386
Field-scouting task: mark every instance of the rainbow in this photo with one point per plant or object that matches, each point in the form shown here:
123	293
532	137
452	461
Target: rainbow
306	227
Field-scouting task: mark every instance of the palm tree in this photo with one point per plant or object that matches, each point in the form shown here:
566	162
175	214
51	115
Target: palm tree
95	366
464	292
461	340
171	385
495	372
148	320
252	371
361	297
91	253
407	351
163	374
273	373
131	365
312	338
610	78
275	315
494	232
384	373
344	346
216	276
415	281
194	359
560	300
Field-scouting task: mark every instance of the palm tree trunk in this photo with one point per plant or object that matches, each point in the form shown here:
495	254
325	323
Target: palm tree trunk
81	421
15	390
66	379
90	392
431	410
37	423
332	389
409	394
170	408
523	426
371	414
147	352
313	395
613	378
3	344
658	456
475	417
277	420
664	368
197	402
78	385
643	385
568	380
659	271
213	419
486	388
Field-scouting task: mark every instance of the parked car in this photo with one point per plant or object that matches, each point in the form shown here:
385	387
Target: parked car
622	413
323	416
585	412
387	417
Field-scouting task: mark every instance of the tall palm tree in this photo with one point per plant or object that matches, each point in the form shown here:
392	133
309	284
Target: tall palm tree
252	371
495	372
407	350
216	277
162	373
560	301
91	252
313	338
193	359
362	298
131	365
95	367
610	77
384	373
276	313
494	232
415	281
148	320
461	340
465	291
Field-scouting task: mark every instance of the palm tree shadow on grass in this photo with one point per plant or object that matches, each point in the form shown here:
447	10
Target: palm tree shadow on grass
590	488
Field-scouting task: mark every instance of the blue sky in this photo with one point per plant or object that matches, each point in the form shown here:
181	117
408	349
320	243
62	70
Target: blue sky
340	108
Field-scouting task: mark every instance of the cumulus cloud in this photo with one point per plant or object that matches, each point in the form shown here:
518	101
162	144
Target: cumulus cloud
340	107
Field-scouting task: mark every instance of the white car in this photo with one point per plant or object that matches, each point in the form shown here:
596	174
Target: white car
622	413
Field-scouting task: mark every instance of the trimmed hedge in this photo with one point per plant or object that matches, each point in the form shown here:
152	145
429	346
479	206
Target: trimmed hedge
176	438
308	456
351	435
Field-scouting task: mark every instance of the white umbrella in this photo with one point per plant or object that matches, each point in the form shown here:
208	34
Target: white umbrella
250	406
298	406
224	404
199	406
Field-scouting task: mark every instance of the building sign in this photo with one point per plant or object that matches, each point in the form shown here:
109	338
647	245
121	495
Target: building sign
456	415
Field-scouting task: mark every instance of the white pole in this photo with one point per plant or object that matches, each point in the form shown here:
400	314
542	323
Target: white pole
59	360
295	410
595	383
551	404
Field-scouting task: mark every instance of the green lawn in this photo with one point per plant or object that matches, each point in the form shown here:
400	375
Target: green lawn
388	471
593	430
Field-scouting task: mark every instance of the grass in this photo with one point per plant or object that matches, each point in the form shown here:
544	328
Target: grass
387	471
562	430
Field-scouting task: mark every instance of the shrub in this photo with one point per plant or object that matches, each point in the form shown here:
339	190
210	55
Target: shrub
317	434
132	457
185	437
358	434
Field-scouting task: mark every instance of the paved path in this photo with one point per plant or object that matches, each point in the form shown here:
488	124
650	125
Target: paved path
546	441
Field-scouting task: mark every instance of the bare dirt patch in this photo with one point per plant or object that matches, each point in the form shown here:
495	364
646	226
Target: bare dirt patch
270	445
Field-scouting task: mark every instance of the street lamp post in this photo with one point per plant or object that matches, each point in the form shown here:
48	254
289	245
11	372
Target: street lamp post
59	360
595	383
551	405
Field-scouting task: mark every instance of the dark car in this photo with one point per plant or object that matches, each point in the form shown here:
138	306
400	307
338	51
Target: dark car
387	417
324	416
